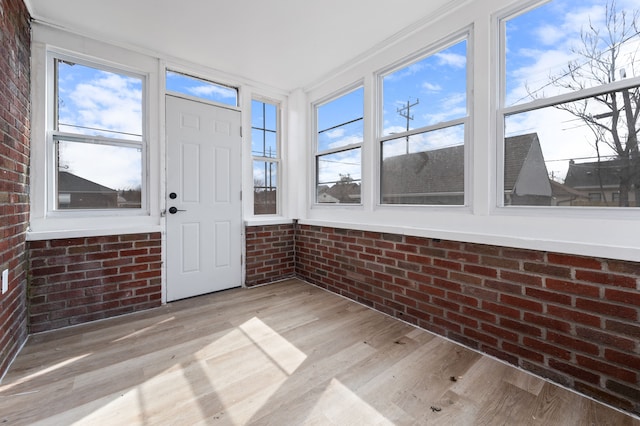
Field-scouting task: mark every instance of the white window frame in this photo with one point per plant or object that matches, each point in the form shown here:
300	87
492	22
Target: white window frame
466	34
277	160
536	104
317	154
52	134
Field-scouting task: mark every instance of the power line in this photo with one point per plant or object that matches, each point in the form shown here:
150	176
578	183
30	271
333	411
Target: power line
405	112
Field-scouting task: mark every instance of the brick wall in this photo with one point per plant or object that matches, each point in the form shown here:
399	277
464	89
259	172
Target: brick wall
571	319
14	184
270	253
77	280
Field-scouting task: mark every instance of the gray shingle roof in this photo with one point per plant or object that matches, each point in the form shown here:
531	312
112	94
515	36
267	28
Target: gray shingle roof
442	170
68	182
593	174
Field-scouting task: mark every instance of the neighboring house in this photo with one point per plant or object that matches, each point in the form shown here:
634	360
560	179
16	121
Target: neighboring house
323	197
564	195
599	180
428	177
75	192
436	177
345	192
526	178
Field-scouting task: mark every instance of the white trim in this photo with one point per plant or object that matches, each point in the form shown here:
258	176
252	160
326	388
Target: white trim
268	221
92	232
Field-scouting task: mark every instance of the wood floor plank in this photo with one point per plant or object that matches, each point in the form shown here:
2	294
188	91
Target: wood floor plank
284	354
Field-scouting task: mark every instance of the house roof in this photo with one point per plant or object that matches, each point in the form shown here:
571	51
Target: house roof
442	170
593	174
515	154
68	182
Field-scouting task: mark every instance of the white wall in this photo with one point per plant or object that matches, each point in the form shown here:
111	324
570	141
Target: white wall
596	232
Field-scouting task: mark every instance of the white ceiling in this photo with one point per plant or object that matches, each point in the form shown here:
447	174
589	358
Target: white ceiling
285	44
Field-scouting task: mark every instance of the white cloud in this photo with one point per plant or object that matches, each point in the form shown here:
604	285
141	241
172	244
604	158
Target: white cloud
430	87
212	91
451	59
111	102
335	133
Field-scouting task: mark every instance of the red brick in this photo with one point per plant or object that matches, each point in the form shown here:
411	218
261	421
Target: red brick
572	287
500	262
628	329
573	344
521	278
608	369
577	261
546	348
607	309
606	339
521	303
500	332
626	360
550	270
607	279
466	278
503	287
522	352
574	371
520	327
549	296
573	315
447	264
547	322
626	297
463	320
501	309
480	337
479	314
523	254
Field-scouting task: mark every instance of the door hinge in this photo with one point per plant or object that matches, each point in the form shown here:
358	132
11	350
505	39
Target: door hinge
240	195
240	131
241	259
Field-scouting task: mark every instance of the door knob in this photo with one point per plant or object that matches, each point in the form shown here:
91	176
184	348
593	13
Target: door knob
174	210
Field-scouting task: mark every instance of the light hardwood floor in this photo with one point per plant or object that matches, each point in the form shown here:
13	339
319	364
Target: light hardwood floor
283	354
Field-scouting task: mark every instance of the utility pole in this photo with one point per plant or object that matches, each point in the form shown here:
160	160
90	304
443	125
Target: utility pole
405	112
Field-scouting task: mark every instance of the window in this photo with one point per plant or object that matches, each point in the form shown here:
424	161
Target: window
264	149
425	119
570	106
339	138
202	89
98	139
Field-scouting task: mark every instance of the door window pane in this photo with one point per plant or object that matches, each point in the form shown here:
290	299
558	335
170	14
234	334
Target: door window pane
199	88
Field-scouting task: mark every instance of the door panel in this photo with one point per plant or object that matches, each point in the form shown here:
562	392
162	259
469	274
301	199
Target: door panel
203	170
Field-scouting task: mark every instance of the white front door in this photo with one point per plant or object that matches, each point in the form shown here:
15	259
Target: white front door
204	207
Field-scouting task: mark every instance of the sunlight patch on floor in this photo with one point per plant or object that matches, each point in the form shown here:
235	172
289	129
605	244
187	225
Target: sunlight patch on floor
339	405
277	348
143	330
44	371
